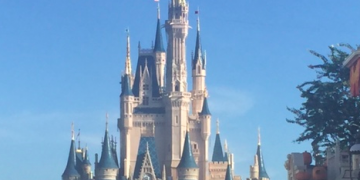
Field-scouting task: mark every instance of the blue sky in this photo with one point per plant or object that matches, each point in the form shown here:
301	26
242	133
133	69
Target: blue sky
60	62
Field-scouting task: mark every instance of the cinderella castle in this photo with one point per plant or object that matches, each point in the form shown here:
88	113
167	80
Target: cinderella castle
161	137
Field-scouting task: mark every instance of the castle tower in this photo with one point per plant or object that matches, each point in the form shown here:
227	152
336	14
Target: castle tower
106	168
177	30
205	121
125	122
198	74
86	166
259	172
187	168
177	99
160	55
70	172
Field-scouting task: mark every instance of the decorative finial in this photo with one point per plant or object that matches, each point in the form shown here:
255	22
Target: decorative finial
225	146
72	131
198	19
188	127
206	94
107	120
217	126
158	9
78	137
128	59
259	138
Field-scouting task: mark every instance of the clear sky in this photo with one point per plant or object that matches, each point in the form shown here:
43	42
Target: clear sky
61	61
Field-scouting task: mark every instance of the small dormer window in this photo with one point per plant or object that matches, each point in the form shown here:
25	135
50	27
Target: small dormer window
145	87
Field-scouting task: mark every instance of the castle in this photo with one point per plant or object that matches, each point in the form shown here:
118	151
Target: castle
160	136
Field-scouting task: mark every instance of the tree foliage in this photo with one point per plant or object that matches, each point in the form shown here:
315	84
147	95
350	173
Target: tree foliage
328	113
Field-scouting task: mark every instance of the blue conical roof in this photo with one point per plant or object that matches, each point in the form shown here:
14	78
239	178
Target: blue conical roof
198	51
187	158
70	170
228	175
205	109
262	170
86	159
159	46
218	154
126	88
107	161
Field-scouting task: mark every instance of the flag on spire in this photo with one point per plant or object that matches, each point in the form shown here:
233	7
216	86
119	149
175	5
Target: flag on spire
197	12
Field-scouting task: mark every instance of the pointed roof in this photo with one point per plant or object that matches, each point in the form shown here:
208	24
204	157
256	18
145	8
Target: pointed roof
159	46
205	108
126	87
70	170
187	158
147	145
107	161
218	154
228	173
86	158
198	56
262	170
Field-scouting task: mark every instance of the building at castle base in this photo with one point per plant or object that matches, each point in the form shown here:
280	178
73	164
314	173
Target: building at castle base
164	126
340	164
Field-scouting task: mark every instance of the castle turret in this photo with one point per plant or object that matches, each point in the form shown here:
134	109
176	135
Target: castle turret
187	168
86	166
218	154
262	171
107	168
70	172
125	122
198	74
160	55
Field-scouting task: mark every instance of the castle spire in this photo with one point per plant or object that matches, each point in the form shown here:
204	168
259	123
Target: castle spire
198	56
70	171
159	46
187	158
228	173
205	108
128	59
107	161
262	170
218	154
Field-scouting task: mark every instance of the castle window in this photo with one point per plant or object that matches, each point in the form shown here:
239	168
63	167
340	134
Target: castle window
145	100
177	88
195	146
145	87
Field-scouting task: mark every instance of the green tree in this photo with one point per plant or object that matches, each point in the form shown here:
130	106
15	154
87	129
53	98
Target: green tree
328	113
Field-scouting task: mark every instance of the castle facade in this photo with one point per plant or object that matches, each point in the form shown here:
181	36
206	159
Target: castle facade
164	126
